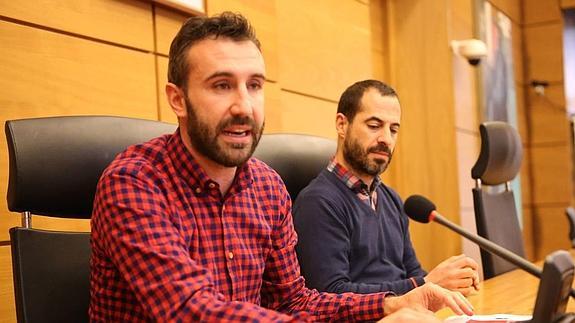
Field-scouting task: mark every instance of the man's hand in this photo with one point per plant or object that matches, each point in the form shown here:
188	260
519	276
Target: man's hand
407	315
457	273
429	297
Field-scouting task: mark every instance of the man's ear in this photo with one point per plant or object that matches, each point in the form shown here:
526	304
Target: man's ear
341	124
176	100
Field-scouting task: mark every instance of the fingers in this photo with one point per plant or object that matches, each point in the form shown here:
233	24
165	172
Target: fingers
459	304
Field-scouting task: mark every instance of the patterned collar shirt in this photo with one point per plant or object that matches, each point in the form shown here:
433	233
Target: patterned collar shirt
365	193
167	246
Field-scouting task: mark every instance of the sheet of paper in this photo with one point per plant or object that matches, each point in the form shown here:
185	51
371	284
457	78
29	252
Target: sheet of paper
488	318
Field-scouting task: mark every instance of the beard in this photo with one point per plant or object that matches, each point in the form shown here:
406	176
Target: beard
358	158
205	138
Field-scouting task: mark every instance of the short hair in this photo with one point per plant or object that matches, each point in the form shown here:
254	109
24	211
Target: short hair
350	100
225	25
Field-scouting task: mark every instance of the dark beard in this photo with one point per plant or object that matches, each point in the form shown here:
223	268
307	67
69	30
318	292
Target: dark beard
205	140
357	157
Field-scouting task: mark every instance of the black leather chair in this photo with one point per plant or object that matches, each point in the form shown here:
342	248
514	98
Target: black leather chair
55	164
570	213
495	210
297	158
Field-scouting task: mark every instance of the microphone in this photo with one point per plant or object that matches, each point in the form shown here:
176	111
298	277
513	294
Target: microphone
422	210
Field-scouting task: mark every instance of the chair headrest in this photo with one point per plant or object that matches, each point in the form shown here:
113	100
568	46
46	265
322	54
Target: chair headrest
297	158
56	162
501	153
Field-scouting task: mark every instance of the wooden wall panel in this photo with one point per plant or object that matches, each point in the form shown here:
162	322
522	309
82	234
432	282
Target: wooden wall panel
550	222
127	22
47	74
548	117
537	11
551	176
324	48
168	23
568	4
262	14
7	307
426	155
302	114
511	8
544	52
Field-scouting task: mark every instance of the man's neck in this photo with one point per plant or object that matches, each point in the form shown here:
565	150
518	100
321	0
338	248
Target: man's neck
222	175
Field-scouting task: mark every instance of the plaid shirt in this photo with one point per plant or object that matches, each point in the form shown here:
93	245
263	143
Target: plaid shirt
167	246
365	194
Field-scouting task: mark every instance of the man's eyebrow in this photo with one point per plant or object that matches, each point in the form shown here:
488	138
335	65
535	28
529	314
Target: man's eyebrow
374	118
229	74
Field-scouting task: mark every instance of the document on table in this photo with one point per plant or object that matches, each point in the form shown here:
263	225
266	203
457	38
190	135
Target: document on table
488	318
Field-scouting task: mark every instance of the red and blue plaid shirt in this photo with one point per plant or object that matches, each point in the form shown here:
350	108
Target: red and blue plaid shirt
167	246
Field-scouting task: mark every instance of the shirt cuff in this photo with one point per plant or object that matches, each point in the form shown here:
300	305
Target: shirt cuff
417	281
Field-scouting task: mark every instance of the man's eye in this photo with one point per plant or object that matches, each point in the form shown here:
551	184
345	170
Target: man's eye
222	86
373	126
255	86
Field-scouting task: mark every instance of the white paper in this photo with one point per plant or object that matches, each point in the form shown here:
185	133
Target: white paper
488	318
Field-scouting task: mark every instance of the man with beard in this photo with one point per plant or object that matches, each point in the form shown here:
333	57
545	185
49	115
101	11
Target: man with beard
189	227
353	234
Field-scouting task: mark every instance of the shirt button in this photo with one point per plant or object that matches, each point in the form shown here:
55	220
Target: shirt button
198	190
211	185
230	255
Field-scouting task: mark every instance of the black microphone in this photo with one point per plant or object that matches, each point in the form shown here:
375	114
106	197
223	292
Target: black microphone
422	210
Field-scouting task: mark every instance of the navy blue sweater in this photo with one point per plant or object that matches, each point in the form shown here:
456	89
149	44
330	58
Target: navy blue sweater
346	246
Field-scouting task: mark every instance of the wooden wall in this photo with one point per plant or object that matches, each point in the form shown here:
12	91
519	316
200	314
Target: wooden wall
549	147
110	57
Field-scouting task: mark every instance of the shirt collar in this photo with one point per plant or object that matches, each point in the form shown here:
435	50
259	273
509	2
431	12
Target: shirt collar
191	171
350	180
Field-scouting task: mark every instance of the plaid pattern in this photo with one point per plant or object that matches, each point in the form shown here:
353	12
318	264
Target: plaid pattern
365	194
167	247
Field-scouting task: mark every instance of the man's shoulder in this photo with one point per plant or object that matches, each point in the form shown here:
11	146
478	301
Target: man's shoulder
139	157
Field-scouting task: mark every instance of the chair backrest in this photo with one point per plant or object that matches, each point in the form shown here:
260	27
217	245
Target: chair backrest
495	210
55	164
570	213
297	158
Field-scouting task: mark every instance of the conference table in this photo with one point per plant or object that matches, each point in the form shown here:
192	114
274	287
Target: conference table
511	293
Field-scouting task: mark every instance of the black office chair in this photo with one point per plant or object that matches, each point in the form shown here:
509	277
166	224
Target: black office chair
297	158
495	211
570	213
55	164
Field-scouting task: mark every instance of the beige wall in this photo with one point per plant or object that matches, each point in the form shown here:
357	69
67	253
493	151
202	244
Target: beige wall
110	57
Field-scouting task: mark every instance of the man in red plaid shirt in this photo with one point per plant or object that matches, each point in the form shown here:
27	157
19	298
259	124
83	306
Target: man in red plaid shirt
189	227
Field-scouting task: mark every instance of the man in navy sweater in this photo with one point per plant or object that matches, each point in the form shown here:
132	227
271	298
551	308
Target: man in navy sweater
353	233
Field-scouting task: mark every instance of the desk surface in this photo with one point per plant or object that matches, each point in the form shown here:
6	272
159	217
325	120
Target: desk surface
510	293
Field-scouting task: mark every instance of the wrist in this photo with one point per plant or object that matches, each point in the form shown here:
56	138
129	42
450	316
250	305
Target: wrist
392	304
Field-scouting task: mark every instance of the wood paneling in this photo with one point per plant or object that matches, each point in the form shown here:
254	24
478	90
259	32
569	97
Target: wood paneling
426	157
517	52
324	48
550	230
537	11
262	14
46	74
548	117
568	4
511	8
7	307
168	23
551	175
303	114
468	147
544	52
522	113
127	22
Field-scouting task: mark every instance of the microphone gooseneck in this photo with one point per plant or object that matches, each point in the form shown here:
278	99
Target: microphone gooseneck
420	209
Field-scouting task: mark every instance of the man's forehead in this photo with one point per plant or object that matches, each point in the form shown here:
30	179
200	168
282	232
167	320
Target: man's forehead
210	52
372	101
